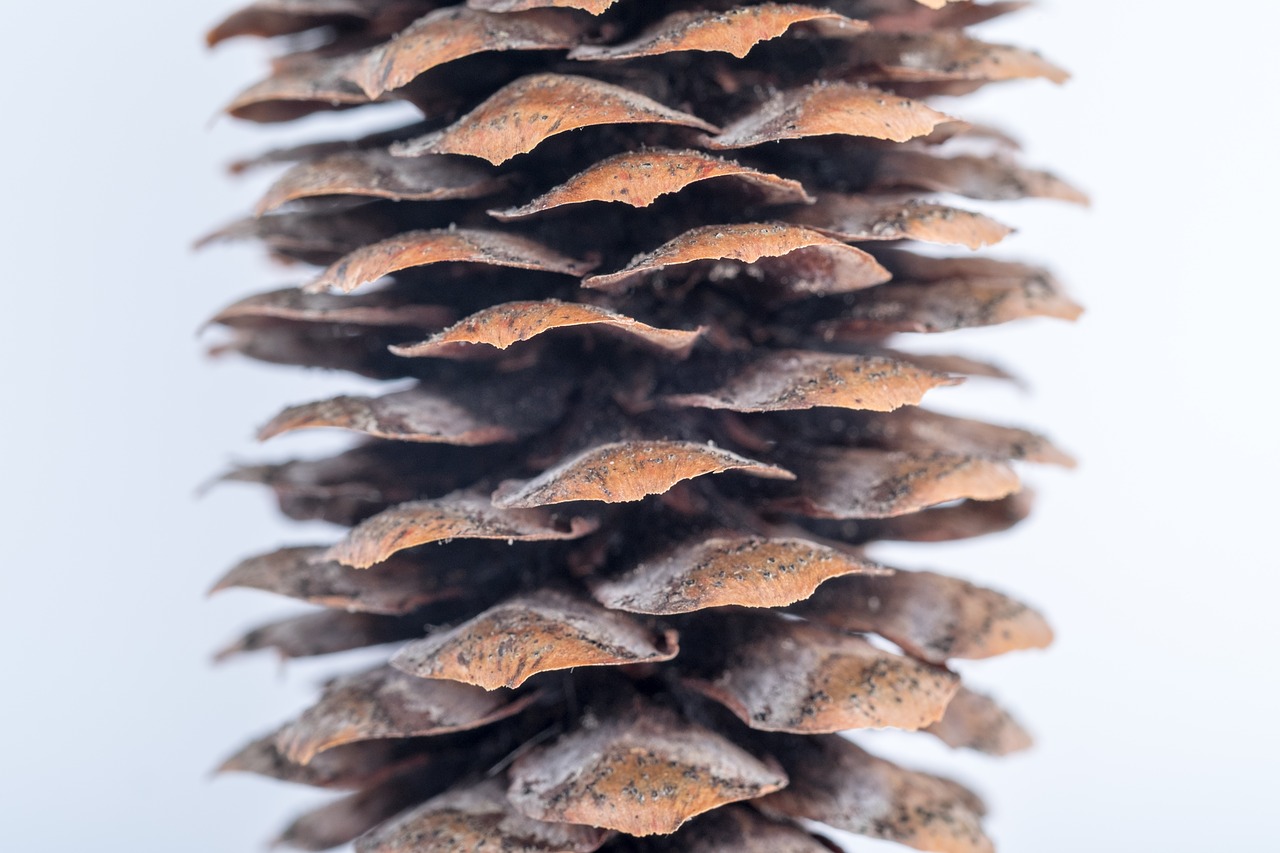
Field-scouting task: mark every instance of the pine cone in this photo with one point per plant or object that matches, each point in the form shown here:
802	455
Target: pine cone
630	246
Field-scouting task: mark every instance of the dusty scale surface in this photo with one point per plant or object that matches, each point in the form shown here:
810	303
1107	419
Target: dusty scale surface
646	265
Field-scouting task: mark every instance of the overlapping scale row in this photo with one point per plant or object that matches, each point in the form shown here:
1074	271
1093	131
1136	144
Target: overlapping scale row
634	279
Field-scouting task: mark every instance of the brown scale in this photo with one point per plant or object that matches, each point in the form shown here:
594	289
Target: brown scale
643	264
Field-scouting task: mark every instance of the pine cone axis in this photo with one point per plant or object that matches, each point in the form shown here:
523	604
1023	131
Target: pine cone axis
636	275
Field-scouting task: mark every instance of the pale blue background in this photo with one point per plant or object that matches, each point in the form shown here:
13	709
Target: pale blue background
1156	709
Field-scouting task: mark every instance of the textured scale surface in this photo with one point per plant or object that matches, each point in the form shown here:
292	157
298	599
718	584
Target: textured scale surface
641	283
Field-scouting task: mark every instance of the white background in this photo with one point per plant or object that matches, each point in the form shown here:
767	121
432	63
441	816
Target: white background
1155	710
